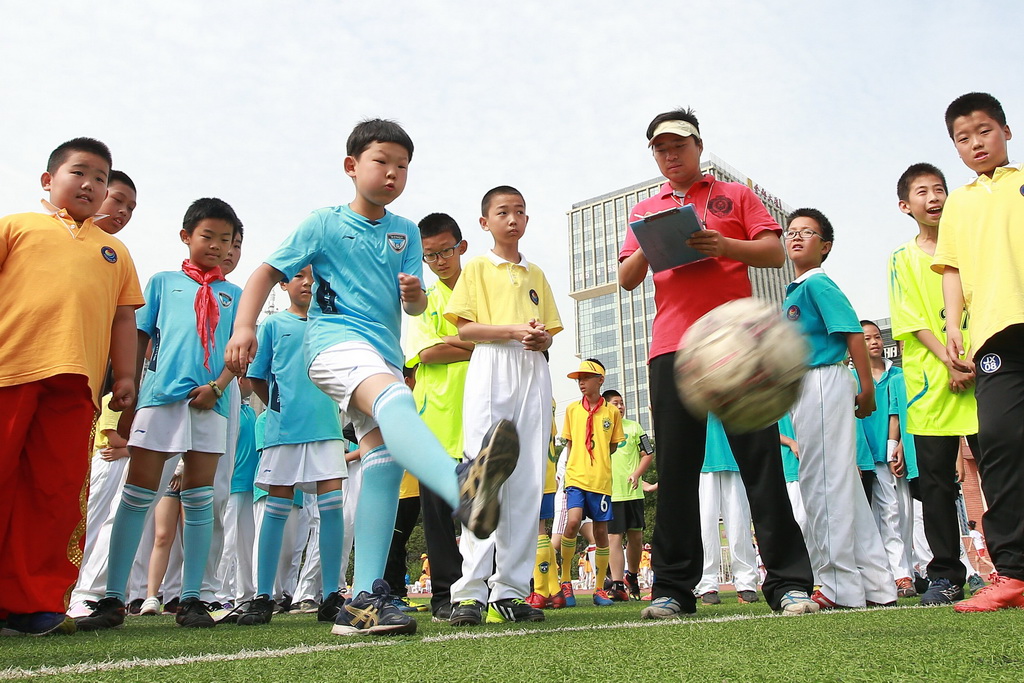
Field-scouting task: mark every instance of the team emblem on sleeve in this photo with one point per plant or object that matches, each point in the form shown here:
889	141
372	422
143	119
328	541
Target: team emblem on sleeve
225	299
989	363
397	241
607	424
793	312
534	298
109	254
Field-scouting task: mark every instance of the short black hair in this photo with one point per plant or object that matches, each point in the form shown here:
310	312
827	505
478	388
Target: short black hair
675	115
485	203
819	218
438	224
914	172
120	177
594	360
609	394
239	233
965	105
872	323
66	149
369	131
210	207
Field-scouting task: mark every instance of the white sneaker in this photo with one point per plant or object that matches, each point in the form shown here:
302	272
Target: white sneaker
79	609
795	603
150	605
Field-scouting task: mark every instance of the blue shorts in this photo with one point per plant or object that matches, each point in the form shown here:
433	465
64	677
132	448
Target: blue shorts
547	506
596	506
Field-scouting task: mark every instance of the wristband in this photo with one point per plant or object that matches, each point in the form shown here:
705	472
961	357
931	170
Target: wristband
890	449
216	389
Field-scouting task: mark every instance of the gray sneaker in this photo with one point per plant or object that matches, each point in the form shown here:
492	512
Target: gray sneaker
481	477
662	608
795	603
710	598
747	597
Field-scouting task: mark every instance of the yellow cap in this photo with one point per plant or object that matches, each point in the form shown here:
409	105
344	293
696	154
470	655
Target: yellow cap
587	367
683	129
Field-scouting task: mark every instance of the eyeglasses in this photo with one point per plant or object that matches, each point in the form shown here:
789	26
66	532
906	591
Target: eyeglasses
804	234
444	253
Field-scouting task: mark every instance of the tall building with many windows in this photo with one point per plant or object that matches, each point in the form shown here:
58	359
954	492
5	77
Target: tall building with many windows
614	325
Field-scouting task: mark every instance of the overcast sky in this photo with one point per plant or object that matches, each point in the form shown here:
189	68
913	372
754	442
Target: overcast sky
252	102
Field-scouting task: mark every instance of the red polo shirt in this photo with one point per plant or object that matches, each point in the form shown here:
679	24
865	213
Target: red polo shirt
686	293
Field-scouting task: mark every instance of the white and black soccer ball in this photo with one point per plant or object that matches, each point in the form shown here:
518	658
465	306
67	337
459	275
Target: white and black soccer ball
742	362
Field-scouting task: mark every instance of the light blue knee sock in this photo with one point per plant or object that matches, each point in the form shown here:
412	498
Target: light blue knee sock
332	531
275	516
197	504
413	445
375	516
125	535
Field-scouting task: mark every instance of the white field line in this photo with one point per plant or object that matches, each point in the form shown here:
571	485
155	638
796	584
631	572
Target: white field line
136	663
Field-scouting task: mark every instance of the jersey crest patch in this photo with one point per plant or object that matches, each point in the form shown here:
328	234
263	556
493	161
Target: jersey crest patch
721	206
1022	189
225	299
793	312
607	424
397	241
989	363
109	254
534	298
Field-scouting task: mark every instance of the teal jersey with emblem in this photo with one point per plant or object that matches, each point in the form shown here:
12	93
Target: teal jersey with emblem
718	455
824	314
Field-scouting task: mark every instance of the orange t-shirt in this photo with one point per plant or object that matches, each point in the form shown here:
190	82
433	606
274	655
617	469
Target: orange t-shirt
61	285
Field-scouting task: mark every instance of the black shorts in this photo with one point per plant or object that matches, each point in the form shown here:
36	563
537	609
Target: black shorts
627	515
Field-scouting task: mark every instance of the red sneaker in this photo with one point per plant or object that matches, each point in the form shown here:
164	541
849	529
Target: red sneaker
568	594
824	602
1002	593
556	601
536	600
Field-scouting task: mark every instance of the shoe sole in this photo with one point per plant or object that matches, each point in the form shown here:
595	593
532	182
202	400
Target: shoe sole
487	472
496	618
393	630
659	613
64	628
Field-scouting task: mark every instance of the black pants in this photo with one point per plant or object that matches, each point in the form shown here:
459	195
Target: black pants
1000	392
938	491
396	567
442	548
677	552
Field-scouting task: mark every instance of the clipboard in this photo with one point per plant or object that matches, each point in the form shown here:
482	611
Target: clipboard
663	237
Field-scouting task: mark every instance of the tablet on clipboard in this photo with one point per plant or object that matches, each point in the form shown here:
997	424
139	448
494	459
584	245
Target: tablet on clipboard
663	237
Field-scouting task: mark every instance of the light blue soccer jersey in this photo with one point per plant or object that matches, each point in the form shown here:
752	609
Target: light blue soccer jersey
876	425
824	314
169	318
790	463
298	411
718	455
246	456
356	263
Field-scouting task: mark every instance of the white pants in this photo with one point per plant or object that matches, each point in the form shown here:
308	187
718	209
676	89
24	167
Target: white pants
237	567
885	507
854	567
505	381
905	523
722	495
106	481
796	501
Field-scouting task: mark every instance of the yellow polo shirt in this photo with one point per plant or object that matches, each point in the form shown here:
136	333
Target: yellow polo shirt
594	475
61	285
493	291
982	234
107	421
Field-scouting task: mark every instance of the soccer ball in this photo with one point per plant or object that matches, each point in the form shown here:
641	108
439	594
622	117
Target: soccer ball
742	362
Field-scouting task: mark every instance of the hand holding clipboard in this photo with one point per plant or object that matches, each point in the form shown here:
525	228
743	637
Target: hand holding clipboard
663	236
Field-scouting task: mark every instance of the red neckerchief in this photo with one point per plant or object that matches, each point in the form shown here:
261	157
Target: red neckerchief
207	310
588	439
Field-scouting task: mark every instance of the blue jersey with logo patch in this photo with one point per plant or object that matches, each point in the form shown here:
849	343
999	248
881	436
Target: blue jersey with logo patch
356	263
298	411
169	318
824	314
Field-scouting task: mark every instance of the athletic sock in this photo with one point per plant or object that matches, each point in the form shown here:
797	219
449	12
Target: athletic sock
125	535
568	554
375	516
542	567
268	553
601	563
412	444
553	574
196	536
332	531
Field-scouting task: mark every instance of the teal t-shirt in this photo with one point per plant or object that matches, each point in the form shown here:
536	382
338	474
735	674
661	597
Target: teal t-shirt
718	455
898	388
247	458
824	314
876	425
790	463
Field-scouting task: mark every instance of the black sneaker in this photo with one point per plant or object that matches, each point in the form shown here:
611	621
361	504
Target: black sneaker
171	606
192	613
481	477
284	604
328	610
106	613
942	592
512	609
632	585
443	613
466	613
135	607
373	614
259	611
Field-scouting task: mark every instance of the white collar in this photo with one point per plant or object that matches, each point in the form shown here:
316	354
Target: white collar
812	271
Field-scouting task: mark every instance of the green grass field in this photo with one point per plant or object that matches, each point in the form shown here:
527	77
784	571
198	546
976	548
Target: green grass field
728	642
